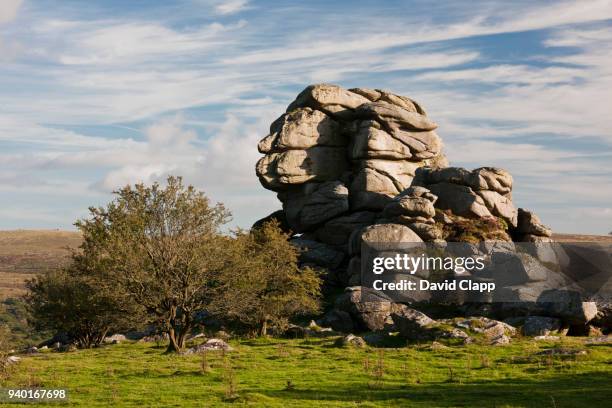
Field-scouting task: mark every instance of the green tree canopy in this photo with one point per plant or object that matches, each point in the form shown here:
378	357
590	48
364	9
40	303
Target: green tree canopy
163	250
266	287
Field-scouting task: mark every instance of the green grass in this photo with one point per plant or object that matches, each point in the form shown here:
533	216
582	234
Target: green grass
140	375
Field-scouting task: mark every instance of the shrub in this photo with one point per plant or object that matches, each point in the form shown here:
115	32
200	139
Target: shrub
67	302
264	287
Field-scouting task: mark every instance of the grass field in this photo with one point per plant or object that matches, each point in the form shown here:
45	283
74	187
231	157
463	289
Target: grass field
25	253
315	373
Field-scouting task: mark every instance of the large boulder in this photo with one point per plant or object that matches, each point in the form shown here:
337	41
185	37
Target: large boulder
509	269
529	224
499	205
369	141
410	206
567	305
394	117
460	200
481	193
388	233
338	320
311	204
301	129
338	230
541	326
320	163
371	190
411	323
369	310
279	217
317	253
328	98
483	178
380	95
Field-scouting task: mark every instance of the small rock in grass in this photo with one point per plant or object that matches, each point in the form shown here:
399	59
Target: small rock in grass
547	338
437	346
210	345
351	340
500	340
599	340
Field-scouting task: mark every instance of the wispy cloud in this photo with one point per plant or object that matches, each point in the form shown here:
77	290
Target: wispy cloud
8	10
130	43
95	99
231	6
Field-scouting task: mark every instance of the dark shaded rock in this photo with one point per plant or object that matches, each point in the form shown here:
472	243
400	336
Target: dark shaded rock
541	326
318	253
277	216
369	310
311	204
412	324
338	230
338	320
529	223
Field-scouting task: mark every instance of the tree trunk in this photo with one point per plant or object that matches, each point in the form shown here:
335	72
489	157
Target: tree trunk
99	339
173	346
182	336
264	328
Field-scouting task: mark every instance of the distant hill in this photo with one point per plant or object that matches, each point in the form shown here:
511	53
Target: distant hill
25	253
582	238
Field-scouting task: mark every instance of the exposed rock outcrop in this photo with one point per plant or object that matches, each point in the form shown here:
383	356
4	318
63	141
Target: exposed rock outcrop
338	150
366	166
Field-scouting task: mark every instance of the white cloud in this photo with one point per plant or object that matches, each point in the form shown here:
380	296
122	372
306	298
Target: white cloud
579	37
127	43
517	74
569	101
15	129
8	10
231	6
386	34
231	80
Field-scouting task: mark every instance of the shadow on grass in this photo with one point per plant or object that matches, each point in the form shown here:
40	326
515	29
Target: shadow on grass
588	390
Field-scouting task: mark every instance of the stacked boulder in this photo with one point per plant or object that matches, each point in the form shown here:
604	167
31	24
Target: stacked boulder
337	157
529	228
485	192
341	160
359	165
414	207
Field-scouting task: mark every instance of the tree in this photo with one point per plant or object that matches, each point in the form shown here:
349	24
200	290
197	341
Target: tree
162	248
4	350
264	287
70	302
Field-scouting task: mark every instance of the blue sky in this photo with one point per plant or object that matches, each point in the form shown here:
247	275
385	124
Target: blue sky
97	94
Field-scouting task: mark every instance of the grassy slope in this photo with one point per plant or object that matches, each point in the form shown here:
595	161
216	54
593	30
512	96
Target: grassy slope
326	376
25	253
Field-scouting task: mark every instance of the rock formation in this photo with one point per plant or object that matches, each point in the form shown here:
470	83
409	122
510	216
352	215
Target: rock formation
367	165
340	153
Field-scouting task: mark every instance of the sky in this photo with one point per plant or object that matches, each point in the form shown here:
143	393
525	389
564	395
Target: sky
98	94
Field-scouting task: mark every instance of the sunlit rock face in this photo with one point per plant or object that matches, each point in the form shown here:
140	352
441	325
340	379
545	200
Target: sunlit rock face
335	152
